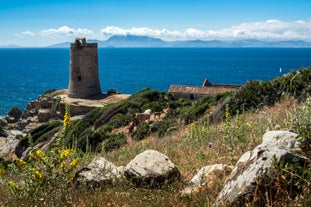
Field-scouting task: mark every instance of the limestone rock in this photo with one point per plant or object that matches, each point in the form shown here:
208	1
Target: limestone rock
7	146
45	103
22	123
13	134
98	173
206	178
151	169
44	115
31	124
31	109
13	115
253	166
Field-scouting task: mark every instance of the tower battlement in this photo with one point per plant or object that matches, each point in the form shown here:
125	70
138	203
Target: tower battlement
84	79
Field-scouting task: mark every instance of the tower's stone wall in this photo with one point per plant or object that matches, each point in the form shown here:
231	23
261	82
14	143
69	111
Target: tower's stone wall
84	80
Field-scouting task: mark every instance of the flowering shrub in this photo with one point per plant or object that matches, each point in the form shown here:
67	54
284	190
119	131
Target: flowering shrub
67	118
53	168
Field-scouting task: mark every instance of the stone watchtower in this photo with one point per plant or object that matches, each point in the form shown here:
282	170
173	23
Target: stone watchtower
84	81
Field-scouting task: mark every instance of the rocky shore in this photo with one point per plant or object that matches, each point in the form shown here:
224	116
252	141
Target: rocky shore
49	106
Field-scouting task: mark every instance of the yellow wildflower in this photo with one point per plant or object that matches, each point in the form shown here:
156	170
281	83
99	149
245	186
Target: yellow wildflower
64	153
73	163
227	115
13	185
2	172
38	175
20	163
39	154
62	165
67	118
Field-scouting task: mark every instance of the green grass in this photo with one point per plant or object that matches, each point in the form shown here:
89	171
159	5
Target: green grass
187	146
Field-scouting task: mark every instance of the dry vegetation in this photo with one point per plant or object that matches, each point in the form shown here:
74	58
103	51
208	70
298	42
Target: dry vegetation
193	145
187	148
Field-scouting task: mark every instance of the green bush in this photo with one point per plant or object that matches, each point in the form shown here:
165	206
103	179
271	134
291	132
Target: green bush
180	103
119	120
145	96
111	91
91	117
301	124
161	127
153	106
142	131
129	107
89	140
41	133
108	112
105	130
256	94
114	142
74	133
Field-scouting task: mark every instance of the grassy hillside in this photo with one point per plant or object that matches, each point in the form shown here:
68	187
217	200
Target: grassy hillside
211	130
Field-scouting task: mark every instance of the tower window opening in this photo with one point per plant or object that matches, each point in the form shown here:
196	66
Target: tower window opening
79	78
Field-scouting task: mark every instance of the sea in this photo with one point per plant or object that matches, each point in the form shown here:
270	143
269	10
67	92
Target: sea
25	73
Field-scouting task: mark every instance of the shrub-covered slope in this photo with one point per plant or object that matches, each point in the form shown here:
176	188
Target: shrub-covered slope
97	126
256	94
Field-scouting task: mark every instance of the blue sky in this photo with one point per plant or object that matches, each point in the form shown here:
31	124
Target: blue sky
45	22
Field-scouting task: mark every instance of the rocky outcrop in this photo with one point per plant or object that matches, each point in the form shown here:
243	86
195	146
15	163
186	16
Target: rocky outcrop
206	178
49	106
7	146
98	173
254	166
151	169
13	115
9	143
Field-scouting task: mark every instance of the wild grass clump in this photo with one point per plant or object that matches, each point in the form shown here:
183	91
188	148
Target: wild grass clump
301	122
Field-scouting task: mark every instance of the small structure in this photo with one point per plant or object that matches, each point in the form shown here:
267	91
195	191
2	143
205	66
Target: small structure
84	81
196	92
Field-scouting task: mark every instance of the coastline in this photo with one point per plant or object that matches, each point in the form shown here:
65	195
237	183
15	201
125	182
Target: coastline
129	70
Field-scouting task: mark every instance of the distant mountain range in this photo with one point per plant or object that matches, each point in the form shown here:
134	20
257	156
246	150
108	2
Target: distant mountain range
9	46
145	41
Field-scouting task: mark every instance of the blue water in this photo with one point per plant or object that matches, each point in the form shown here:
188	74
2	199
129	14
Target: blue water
25	73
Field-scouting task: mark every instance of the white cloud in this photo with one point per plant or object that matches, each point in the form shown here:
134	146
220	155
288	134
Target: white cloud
272	29
25	33
28	33
269	30
66	31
